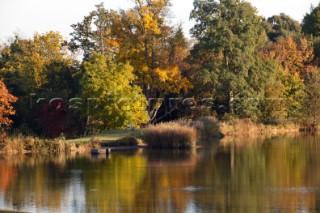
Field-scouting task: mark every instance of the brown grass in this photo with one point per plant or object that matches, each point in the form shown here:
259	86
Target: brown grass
208	128
25	144
170	135
13	146
95	143
245	127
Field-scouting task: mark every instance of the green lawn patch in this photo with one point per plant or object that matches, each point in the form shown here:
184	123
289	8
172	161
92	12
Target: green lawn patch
106	136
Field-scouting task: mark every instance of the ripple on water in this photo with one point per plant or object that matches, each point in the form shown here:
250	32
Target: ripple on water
293	189
192	188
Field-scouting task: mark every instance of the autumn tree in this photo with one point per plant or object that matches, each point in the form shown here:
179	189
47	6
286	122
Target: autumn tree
311	102
143	37
293	57
157	52
111	99
294	54
40	66
6	109
26	59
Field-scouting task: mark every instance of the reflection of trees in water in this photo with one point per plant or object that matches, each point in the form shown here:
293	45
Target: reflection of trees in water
124	182
112	184
38	181
278	174
107	185
165	186
7	174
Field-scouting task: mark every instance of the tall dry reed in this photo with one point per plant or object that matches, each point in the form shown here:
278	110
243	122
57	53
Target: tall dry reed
170	135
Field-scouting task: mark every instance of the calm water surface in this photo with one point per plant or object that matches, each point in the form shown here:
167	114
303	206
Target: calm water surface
275	175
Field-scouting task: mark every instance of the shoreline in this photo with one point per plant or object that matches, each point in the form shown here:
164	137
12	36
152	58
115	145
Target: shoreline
232	131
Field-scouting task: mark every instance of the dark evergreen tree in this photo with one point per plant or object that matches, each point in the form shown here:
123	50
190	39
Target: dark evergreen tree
225	60
282	25
311	22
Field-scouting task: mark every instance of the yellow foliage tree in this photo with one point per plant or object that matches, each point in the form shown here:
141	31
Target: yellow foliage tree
118	102
28	58
143	37
157	50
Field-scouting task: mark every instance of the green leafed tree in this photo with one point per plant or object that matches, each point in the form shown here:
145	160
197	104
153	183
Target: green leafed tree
40	65
311	104
97	32
26	61
112	101
282	25
311	22
225	59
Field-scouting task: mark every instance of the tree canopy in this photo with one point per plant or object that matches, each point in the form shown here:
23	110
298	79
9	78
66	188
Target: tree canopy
282	25
311	22
136	61
229	35
112	101
6	109
142	36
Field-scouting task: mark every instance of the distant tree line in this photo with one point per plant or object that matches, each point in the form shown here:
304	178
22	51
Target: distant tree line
136	68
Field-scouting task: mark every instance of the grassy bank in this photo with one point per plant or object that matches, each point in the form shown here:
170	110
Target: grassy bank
26	144
247	128
247	132
18	144
208	130
10	211
178	134
106	136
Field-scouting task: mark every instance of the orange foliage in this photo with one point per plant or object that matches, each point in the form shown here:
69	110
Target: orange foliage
293	54
7	174
5	106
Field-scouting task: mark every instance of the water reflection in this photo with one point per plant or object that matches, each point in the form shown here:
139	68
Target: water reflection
112	185
40	182
169	175
280	174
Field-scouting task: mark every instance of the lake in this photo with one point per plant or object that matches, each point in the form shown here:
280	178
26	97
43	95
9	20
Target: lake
280	174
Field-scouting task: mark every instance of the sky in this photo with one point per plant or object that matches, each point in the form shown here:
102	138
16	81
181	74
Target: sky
26	17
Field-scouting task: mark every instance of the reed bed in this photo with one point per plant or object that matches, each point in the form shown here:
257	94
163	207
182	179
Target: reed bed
208	129
26	144
245	128
170	135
